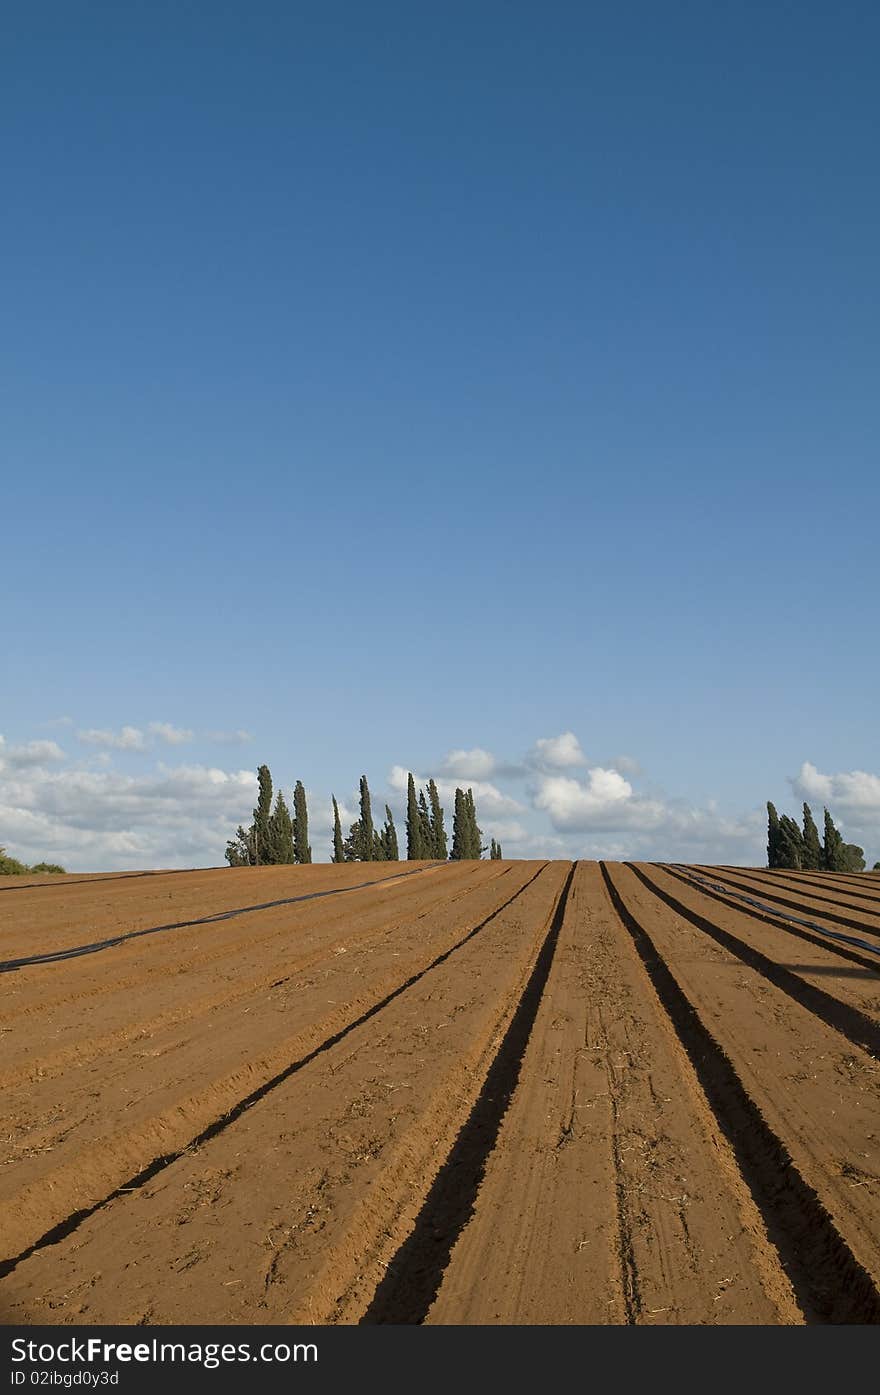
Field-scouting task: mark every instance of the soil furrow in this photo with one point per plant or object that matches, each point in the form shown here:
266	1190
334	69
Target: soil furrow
835	942
814	885
830	1283
181	1120
803	907
779	920
611	1195
105	986
272	1218
853	1024
271	968
414	1275
96	946
864	885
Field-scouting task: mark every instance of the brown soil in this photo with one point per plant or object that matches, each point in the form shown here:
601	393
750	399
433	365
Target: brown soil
481	1093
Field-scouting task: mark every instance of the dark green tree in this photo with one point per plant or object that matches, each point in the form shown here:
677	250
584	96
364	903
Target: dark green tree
791	844
301	824
378	845
280	833
389	838
773	849
262	815
474	832
415	849
427	837
352	848
240	849
833	857
459	837
853	858
812	859
438	832
366	822
338	850
498	851
44	867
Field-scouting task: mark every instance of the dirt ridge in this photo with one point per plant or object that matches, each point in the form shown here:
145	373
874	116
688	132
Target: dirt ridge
413	1276
830	1283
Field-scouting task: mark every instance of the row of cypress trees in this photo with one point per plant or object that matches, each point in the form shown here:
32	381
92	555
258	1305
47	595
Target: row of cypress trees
790	846
425	829
274	837
365	842
277	837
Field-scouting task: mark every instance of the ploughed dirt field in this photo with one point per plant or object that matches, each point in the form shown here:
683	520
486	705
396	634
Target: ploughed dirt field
494	1092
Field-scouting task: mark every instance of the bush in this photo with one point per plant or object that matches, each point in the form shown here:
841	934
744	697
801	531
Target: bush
11	867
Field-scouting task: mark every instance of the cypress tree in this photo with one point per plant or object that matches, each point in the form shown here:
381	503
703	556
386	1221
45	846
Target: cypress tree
474	834
389	837
438	832
459	845
812	859
833	856
378	845
353	846
281	833
338	850
366	822
301	824
498	851
427	837
262	815
773	848
414	849
791	844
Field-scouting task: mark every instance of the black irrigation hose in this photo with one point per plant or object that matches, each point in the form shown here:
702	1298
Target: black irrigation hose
8	966
772	910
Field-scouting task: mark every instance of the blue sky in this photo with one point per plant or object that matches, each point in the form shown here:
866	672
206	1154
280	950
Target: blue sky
389	381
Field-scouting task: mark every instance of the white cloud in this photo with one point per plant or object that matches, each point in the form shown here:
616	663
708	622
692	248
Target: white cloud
127	739
627	765
509	832
230	738
91	819
31	753
573	804
488	799
557	752
475	764
853	798
852	791
171	735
